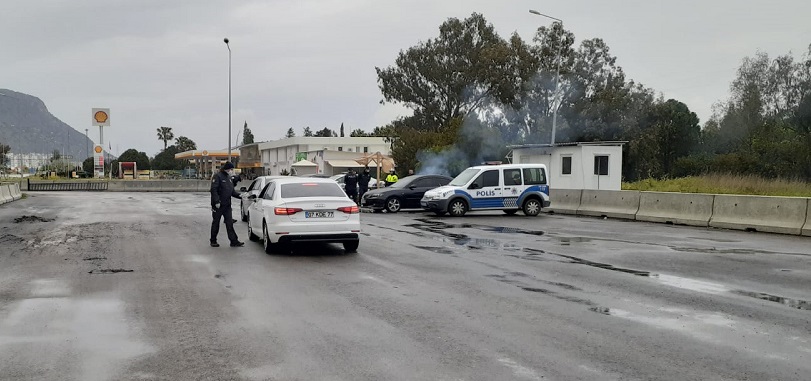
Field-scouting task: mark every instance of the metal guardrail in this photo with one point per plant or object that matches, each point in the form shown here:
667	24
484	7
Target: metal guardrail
67	186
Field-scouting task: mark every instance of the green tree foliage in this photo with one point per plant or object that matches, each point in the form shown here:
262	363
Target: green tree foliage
291	133
165	160
88	166
4	150
185	144
342	130
453	74
326	133
358	133
307	131
247	135
140	158
165	134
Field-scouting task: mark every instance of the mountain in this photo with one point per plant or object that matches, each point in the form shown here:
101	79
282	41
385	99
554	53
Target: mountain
28	127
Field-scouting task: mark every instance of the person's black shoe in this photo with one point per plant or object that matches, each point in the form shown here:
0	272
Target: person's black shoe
215	244
237	244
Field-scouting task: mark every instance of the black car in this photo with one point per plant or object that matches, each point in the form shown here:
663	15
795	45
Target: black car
403	194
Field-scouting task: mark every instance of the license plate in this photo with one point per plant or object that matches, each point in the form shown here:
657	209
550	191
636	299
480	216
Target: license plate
319	214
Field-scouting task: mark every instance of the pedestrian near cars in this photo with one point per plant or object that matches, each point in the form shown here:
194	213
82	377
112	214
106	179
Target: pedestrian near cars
363	183
351	185
410	172
222	189
391	178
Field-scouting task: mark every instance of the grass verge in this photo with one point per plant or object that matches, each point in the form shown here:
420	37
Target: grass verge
725	184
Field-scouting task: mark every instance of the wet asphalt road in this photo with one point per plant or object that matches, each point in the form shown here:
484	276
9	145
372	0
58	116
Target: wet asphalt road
124	286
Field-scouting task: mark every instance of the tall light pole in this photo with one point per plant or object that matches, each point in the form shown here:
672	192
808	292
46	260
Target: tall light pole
557	77
229	98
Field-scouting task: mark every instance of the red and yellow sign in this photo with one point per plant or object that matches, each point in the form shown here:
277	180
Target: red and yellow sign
98	149
101	116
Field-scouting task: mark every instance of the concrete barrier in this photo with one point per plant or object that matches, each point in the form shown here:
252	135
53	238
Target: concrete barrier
564	201
693	209
785	215
203	185
807	227
16	194
614	204
5	194
178	186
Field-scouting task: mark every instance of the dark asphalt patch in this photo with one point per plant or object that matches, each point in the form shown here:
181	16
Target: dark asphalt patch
438	250
32	219
10	238
793	303
95	259
109	271
601	310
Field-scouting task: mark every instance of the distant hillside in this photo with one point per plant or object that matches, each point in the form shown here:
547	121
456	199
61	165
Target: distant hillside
28	127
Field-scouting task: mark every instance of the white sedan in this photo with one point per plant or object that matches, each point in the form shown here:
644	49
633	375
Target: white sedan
254	189
303	209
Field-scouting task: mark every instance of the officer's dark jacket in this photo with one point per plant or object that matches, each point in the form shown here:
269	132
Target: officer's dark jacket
351	181
363	180
222	189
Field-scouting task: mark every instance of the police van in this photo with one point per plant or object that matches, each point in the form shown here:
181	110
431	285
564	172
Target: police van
507	187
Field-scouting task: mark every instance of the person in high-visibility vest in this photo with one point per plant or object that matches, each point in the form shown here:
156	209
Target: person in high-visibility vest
391	178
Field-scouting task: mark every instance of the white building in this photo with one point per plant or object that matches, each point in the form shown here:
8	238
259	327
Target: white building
318	155
582	165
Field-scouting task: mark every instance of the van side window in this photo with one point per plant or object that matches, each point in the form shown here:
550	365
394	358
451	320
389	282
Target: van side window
512	177
487	179
534	176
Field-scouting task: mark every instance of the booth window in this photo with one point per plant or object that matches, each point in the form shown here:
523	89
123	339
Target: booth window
566	165
601	165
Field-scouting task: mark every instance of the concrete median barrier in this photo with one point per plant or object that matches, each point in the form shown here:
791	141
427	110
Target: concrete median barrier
564	201
785	215
203	185
614	204
676	208
5	194
807	227
178	186
16	193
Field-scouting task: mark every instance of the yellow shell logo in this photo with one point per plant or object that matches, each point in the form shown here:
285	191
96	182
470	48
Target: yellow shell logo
100	116
98	149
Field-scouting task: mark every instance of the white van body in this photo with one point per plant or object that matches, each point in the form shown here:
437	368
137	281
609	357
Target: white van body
507	187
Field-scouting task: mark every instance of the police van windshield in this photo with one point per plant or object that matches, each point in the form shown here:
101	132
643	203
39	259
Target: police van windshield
464	177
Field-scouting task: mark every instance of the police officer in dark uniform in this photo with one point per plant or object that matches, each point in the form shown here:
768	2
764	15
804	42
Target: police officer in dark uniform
363	182
222	189
351	185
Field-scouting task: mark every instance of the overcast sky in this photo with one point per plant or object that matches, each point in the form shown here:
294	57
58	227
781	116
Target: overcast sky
300	63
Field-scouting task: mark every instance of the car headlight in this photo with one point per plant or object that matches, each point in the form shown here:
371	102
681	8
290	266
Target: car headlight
446	194
373	195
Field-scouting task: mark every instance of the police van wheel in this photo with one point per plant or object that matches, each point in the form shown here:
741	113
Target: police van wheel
393	205
457	208
532	207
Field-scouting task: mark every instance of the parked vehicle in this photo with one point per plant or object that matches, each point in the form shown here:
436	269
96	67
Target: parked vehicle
403	194
372	181
507	187
297	209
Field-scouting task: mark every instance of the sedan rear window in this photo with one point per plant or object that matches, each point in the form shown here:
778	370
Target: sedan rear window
312	190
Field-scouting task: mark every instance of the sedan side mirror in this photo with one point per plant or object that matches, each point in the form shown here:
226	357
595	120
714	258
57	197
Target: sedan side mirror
252	197
411	187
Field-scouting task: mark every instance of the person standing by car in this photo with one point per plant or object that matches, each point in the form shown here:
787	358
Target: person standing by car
391	178
363	182
351	185
222	189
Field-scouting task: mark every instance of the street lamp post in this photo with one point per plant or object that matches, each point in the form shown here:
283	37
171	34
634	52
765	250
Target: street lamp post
229	98
557	76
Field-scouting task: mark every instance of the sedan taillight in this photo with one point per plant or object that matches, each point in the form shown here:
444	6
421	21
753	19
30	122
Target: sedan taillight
286	211
349	209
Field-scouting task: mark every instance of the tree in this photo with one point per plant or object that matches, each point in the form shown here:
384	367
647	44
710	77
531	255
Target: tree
165	134
165	159
247	135
185	144
455	73
325	133
4	150
358	133
307	131
140	158
88	166
55	155
291	133
342	130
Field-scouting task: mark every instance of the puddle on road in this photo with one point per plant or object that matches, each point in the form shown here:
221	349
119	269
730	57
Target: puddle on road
32	219
95	259
793	303
438	250
604	266
601	310
10	239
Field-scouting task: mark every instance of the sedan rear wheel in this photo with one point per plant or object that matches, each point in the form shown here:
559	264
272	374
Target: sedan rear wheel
270	247
393	205
351	246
